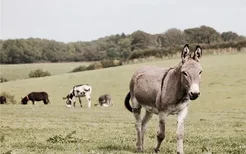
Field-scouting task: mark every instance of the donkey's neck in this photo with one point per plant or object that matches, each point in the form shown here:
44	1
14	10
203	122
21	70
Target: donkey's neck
175	90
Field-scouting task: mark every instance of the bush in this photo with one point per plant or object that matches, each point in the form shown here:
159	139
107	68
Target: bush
111	63
90	67
94	66
152	52
98	65
38	73
9	98
79	69
117	62
2	79
107	63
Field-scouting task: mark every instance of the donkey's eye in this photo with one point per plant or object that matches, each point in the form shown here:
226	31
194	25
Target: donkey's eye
200	72
185	74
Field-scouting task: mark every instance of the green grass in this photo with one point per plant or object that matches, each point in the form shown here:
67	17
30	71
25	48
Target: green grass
21	71
216	121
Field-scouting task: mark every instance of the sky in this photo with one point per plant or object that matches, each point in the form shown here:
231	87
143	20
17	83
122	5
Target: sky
86	20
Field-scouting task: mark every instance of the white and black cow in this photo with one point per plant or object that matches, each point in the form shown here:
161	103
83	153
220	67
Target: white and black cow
83	90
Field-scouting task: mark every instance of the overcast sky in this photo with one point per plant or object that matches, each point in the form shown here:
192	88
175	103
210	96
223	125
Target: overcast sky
86	20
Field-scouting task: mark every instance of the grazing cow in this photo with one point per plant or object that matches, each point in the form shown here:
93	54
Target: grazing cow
165	91
105	101
83	90
3	100
36	96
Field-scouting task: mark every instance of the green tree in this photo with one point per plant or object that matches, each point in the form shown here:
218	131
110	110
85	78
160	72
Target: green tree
171	37
124	48
140	40
231	36
202	34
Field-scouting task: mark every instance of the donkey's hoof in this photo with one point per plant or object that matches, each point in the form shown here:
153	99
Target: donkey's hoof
156	150
139	150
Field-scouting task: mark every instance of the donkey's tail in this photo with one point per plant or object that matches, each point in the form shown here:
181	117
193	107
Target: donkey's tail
127	102
66	97
48	100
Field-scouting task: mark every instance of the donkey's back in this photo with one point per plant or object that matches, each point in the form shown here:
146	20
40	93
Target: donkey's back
146	84
38	96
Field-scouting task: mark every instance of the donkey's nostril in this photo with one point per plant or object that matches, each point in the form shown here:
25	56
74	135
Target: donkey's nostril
194	95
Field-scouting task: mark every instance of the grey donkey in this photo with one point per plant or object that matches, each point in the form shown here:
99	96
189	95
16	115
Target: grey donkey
165	91
105	101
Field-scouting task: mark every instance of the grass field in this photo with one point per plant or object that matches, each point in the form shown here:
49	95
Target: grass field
216	121
21	71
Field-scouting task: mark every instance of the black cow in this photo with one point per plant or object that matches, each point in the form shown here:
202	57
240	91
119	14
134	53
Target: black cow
36	96
3	100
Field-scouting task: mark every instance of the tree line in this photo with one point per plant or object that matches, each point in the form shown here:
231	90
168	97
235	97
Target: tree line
115	47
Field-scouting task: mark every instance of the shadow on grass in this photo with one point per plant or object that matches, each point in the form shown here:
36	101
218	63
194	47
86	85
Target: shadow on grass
131	149
42	146
117	148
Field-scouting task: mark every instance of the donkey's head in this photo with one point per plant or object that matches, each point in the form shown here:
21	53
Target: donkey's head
24	100
191	71
68	100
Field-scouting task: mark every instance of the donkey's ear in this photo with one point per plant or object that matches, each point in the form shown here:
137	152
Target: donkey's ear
197	53
185	52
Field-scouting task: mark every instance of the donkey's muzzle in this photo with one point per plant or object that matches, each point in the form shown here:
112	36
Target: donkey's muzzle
193	95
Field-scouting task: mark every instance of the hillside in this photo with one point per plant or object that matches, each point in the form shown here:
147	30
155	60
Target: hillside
215	124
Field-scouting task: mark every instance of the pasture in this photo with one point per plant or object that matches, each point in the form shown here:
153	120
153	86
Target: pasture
21	71
216	121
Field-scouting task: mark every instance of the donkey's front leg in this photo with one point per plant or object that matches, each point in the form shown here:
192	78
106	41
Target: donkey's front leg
161	133
45	102
180	129
80	102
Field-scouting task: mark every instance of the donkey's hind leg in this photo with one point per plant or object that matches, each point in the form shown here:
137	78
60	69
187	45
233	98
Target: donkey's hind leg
111	102
136	109
45	101
74	103
88	97
148	115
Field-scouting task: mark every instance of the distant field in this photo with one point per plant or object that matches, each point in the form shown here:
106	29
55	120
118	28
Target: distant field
216	121
21	71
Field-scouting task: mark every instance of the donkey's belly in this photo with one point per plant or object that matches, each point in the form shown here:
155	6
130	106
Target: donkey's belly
80	95
151	109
